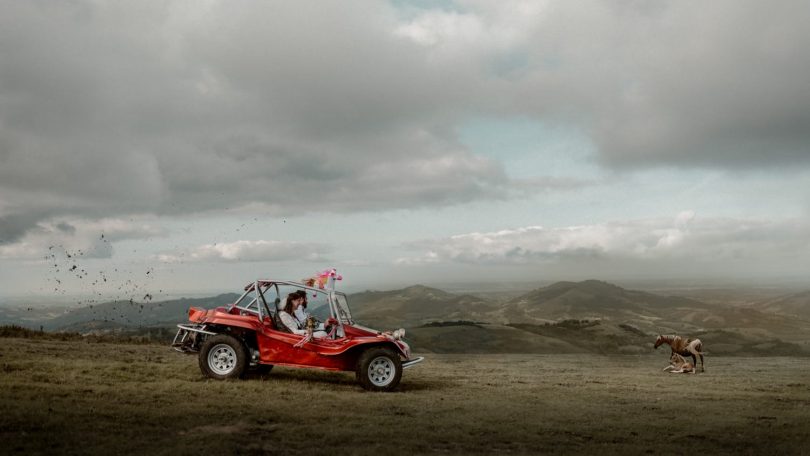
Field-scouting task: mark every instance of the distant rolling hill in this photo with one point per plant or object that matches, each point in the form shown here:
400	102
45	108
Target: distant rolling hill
574	317
131	314
590	299
565	317
486	338
29	316
95	326
416	305
796	304
650	313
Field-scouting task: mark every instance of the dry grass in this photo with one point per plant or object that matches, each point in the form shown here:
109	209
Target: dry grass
102	398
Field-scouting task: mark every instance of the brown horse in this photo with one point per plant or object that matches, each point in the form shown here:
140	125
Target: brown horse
679	365
683	347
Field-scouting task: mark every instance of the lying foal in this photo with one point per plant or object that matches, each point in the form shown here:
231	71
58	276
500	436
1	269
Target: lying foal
679	365
685	347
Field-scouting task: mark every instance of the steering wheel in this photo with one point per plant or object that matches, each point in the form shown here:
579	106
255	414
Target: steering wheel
329	325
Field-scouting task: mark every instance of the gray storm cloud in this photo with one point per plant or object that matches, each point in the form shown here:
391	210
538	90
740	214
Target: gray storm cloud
720	85
169	108
176	107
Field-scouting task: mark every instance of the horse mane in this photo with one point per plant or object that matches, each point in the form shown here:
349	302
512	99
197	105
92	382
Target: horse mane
664	338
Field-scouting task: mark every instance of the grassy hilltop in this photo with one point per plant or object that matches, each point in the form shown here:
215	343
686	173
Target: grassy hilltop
75	396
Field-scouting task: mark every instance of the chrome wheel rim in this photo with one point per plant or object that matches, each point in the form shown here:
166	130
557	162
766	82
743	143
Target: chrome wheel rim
381	371
222	359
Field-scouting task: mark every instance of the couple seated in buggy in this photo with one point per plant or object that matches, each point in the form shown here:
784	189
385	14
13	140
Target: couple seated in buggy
295	318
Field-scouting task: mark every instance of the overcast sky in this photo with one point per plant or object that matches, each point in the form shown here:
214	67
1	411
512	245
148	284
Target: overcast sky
165	146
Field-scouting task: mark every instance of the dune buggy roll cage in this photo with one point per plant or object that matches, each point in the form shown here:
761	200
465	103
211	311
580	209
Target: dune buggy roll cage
258	305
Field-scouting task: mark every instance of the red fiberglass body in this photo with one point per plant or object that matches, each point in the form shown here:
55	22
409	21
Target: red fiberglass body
278	347
320	333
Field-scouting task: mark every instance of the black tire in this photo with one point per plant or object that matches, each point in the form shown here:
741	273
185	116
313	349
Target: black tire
223	357
379	369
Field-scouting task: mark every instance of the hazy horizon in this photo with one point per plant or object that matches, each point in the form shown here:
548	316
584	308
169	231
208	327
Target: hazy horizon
730	289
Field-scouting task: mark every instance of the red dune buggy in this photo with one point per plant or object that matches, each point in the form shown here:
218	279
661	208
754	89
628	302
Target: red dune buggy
248	334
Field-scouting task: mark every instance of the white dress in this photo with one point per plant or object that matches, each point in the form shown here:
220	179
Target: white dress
297	326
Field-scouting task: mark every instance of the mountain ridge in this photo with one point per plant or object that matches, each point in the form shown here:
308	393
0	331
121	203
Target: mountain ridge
565	316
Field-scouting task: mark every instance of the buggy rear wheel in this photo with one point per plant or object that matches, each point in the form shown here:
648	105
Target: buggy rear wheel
223	357
379	369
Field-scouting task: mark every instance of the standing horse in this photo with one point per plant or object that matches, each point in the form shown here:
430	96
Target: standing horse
683	347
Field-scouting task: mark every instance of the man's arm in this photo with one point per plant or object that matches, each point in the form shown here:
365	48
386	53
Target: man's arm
290	323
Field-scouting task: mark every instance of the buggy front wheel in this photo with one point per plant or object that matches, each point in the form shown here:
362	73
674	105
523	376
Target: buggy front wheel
379	369
223	357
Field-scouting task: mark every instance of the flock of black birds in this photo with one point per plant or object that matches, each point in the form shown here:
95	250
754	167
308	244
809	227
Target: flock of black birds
69	268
